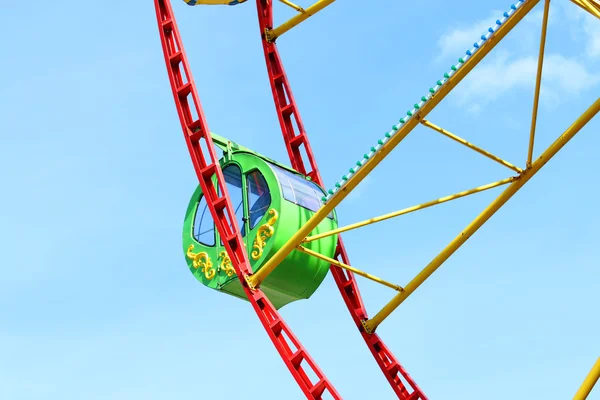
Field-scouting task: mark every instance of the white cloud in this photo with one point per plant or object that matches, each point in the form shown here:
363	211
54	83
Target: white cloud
457	40
515	68
535	17
583	26
568	74
591	27
561	77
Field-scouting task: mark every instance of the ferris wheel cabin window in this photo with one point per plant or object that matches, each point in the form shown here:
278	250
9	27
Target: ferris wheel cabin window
259	197
204	225
299	190
233	182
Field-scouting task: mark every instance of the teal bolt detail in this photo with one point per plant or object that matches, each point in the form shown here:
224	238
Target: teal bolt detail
330	191
395	127
417	106
402	120
453	68
439	83
461	60
423	98
366	156
387	135
380	142
409	113
446	75
345	177
431	90
358	163
324	198
337	185
373	149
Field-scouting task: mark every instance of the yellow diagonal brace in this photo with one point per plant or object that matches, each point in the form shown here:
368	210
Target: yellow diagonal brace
273	34
371	324
350	268
388	146
470	145
410	209
538	82
591	6
589	382
294	6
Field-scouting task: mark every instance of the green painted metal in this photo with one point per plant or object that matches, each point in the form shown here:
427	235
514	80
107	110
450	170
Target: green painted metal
299	275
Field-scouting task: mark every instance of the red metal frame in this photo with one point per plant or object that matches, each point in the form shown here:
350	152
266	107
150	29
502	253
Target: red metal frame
294	355
286	110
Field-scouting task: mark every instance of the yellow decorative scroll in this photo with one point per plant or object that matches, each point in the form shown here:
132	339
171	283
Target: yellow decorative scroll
226	264
263	234
202	260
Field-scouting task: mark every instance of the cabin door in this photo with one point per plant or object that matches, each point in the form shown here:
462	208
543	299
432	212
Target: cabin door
259	201
234	183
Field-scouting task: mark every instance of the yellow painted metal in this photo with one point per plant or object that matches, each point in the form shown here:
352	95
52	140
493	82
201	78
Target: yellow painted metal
201	260
471	145
294	6
273	34
589	382
255	279
264	233
538	82
350	268
371	324
410	209
226	265
591	6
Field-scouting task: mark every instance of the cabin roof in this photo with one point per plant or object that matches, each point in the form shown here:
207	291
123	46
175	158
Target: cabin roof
222	143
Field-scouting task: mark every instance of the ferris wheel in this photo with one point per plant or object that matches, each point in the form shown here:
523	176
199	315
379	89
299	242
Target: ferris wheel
268	233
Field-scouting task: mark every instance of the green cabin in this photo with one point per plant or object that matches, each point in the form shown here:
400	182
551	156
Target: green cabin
271	202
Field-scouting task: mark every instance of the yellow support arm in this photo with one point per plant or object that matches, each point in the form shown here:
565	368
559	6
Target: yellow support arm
350	268
294	6
589	382
273	34
471	145
371	324
255	279
538	82
410	209
591	6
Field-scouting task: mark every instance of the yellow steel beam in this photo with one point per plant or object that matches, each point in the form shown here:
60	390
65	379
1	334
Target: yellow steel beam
349	268
591	6
410	209
471	145
589	382
371	324
538	82
294	6
255	279
273	34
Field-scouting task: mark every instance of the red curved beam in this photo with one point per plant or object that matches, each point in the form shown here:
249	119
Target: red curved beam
401	382
294	355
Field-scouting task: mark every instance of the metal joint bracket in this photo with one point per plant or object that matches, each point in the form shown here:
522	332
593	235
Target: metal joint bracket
366	327
249	282
270	36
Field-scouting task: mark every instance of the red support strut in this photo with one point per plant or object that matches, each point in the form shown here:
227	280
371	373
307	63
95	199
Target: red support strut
294	355
286	108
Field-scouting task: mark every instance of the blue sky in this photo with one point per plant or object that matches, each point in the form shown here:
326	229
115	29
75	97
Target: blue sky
95	298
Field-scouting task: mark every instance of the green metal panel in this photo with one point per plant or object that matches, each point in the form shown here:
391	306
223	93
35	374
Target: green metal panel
299	275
